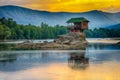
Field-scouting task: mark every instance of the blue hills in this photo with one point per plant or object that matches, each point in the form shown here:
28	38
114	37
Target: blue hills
28	16
116	26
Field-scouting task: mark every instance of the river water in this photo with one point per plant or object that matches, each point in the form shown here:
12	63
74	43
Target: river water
97	62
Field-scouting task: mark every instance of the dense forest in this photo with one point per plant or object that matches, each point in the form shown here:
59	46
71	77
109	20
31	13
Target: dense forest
10	29
103	33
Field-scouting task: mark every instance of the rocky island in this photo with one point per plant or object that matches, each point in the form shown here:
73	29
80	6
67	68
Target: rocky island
75	39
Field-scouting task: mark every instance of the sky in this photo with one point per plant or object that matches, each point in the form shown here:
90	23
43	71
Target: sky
67	5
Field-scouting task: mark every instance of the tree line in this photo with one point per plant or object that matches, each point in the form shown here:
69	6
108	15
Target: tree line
11	30
102	33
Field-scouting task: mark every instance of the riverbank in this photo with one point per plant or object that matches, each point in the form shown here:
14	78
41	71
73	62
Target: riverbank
89	40
72	40
103	40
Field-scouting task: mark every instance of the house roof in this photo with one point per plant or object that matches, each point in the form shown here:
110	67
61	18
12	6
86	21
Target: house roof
79	19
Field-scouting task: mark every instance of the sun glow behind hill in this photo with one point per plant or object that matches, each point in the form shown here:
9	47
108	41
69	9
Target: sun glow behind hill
67	5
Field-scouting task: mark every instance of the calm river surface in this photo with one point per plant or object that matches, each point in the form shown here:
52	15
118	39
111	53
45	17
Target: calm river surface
97	62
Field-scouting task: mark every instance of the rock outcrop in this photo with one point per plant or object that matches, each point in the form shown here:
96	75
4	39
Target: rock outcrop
118	43
71	38
70	41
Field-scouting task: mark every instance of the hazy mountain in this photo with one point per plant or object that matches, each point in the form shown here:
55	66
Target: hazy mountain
117	26
35	17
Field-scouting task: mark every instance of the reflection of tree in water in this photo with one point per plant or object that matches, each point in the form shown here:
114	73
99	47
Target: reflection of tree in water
7	58
5	47
78	61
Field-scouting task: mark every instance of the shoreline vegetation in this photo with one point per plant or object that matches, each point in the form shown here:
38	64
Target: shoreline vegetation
63	39
11	30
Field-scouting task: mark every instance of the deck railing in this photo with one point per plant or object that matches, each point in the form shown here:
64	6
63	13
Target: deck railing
71	26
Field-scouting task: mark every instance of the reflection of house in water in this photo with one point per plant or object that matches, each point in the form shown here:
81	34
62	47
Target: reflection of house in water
78	60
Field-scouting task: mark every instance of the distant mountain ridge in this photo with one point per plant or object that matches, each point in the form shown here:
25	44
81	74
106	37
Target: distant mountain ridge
28	16
116	26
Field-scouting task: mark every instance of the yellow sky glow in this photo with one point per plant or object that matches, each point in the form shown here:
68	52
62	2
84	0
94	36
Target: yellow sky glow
68	5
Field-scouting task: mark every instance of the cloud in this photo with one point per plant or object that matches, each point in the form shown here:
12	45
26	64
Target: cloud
66	5
13	2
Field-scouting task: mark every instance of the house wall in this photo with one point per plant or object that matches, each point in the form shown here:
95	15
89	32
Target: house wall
84	25
79	26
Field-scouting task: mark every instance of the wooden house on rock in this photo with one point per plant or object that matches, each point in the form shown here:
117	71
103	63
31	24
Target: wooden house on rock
77	24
